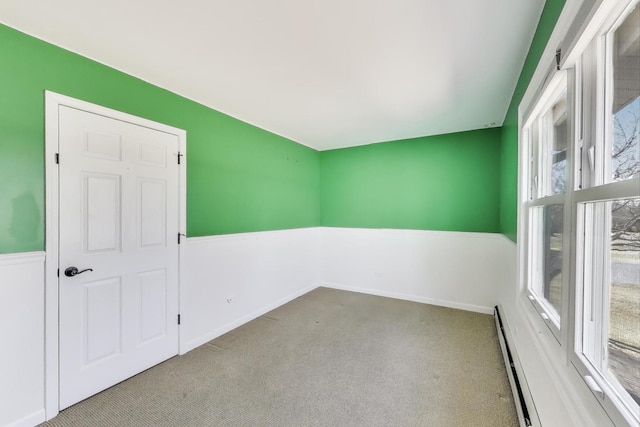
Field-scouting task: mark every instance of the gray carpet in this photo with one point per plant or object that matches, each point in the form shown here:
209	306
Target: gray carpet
328	358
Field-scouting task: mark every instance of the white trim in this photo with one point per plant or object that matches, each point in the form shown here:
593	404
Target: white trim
245	319
21	258
414	298
547	200
396	231
551	93
52	103
182	225
434	233
30	420
51	365
247	235
611	191
538	164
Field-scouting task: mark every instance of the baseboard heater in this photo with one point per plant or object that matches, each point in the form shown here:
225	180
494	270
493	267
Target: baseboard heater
527	415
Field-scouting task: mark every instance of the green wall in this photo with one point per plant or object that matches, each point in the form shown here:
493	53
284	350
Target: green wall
509	166
240	178
447	182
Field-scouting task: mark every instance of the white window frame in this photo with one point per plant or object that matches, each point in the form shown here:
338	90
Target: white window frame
593	301
584	184
538	194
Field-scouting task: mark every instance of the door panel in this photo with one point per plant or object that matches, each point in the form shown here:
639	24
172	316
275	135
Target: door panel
101	314
153	304
102	213
119	218
102	145
152	198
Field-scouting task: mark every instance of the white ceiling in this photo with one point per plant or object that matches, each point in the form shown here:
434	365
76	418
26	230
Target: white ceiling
325	73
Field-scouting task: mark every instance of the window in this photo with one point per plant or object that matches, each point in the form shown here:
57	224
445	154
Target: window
623	83
608	219
581	208
547	147
610	340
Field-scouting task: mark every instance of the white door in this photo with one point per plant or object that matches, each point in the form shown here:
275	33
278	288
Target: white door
118	218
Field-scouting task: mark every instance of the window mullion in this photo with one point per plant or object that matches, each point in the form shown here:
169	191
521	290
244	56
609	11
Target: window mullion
614	190
549	200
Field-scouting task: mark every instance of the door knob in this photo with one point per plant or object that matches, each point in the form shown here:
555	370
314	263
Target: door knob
73	271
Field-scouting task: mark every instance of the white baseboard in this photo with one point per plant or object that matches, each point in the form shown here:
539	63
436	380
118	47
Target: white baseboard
414	298
245	319
30	420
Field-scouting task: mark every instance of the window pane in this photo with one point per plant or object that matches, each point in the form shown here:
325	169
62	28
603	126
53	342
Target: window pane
559	146
624	309
547	277
553	255
625	152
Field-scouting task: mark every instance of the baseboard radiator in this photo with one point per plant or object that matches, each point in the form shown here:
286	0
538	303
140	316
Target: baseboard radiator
527	415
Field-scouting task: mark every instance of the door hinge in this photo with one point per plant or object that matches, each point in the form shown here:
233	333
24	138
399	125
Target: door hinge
180	235
179	156
58	273
57	158
178	319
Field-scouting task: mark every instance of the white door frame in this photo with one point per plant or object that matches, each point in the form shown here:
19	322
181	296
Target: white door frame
53	102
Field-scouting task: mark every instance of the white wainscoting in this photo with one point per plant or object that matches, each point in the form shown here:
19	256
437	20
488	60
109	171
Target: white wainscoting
561	398
22	339
256	271
452	269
